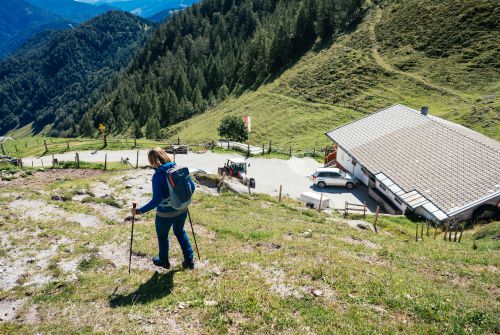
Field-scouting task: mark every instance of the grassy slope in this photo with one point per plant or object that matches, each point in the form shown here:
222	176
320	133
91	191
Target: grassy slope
384	283
365	71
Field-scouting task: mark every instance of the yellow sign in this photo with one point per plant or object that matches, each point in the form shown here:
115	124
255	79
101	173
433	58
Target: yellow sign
102	127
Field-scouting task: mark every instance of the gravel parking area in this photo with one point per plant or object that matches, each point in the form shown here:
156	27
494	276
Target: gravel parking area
269	174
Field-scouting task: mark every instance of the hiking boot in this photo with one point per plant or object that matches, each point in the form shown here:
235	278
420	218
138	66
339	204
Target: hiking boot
163	263
188	264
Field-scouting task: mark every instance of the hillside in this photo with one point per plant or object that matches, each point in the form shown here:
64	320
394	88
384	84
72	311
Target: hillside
402	52
266	267
71	9
144	8
57	76
20	20
201	54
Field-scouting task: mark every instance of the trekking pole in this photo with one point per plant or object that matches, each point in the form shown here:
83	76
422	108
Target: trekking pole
194	236
134	205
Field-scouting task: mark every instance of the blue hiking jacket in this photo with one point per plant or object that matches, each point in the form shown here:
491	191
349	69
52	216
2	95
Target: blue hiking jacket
160	191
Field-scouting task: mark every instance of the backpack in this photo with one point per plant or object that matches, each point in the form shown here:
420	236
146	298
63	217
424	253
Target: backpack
179	187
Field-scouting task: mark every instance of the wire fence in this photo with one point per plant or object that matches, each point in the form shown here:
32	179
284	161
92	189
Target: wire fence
46	146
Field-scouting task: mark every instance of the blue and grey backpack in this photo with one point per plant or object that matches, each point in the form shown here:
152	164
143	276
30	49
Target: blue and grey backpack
179	187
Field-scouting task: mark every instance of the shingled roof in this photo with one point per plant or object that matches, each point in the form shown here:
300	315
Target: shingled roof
450	165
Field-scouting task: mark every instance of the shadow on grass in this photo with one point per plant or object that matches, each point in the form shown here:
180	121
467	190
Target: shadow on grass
158	286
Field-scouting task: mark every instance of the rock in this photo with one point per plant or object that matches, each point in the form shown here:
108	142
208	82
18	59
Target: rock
307	233
210	303
362	226
56	197
317	293
182	305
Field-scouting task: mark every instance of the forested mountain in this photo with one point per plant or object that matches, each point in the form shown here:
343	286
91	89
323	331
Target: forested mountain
144	8
213	48
160	16
57	76
71	9
20	20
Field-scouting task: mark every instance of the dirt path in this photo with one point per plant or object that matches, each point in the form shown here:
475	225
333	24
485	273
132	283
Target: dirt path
388	67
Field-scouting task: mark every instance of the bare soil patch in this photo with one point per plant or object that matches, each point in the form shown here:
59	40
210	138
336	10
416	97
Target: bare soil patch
49	176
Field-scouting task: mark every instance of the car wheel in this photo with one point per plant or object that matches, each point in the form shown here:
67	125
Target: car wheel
349	185
321	184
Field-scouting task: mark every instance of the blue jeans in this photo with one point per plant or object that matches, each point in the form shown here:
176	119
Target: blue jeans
163	227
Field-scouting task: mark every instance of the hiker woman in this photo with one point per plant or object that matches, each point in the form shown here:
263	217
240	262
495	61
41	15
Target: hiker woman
166	216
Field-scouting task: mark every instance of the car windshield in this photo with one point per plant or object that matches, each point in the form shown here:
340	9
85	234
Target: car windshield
239	167
342	173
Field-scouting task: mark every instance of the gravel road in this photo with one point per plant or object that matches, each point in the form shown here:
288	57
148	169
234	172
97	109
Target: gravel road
269	174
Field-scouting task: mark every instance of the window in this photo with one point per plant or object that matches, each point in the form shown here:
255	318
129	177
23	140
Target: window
382	186
397	200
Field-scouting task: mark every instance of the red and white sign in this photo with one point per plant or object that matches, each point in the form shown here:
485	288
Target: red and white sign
248	122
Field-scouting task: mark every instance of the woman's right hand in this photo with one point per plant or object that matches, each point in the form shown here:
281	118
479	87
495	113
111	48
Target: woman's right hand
135	211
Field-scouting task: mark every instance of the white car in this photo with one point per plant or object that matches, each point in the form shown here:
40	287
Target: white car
333	177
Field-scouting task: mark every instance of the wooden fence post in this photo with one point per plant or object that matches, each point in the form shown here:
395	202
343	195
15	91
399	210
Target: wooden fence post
41	160
3	149
21	163
53	161
67	145
25	144
435	230
15	146
105	162
135	142
77	158
178	140
137	160
376	219
290	151
263	149
461	232
32	164
314	152
416	233
446	230
279	197
427	224
422	232
320	201
248	149
45	144
364	210
270	147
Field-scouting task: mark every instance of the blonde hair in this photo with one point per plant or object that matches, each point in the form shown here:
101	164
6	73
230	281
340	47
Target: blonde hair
157	157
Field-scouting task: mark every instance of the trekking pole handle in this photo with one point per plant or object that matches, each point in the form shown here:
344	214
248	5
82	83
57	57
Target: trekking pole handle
134	205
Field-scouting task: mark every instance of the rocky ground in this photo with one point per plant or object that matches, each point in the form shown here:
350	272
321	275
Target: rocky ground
266	267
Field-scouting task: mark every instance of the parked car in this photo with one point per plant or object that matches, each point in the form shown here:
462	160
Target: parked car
333	177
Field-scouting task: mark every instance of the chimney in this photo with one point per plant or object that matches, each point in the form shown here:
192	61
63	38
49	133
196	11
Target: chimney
424	110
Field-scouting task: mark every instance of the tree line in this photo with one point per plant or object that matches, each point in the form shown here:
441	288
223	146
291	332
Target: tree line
57	76
210	50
